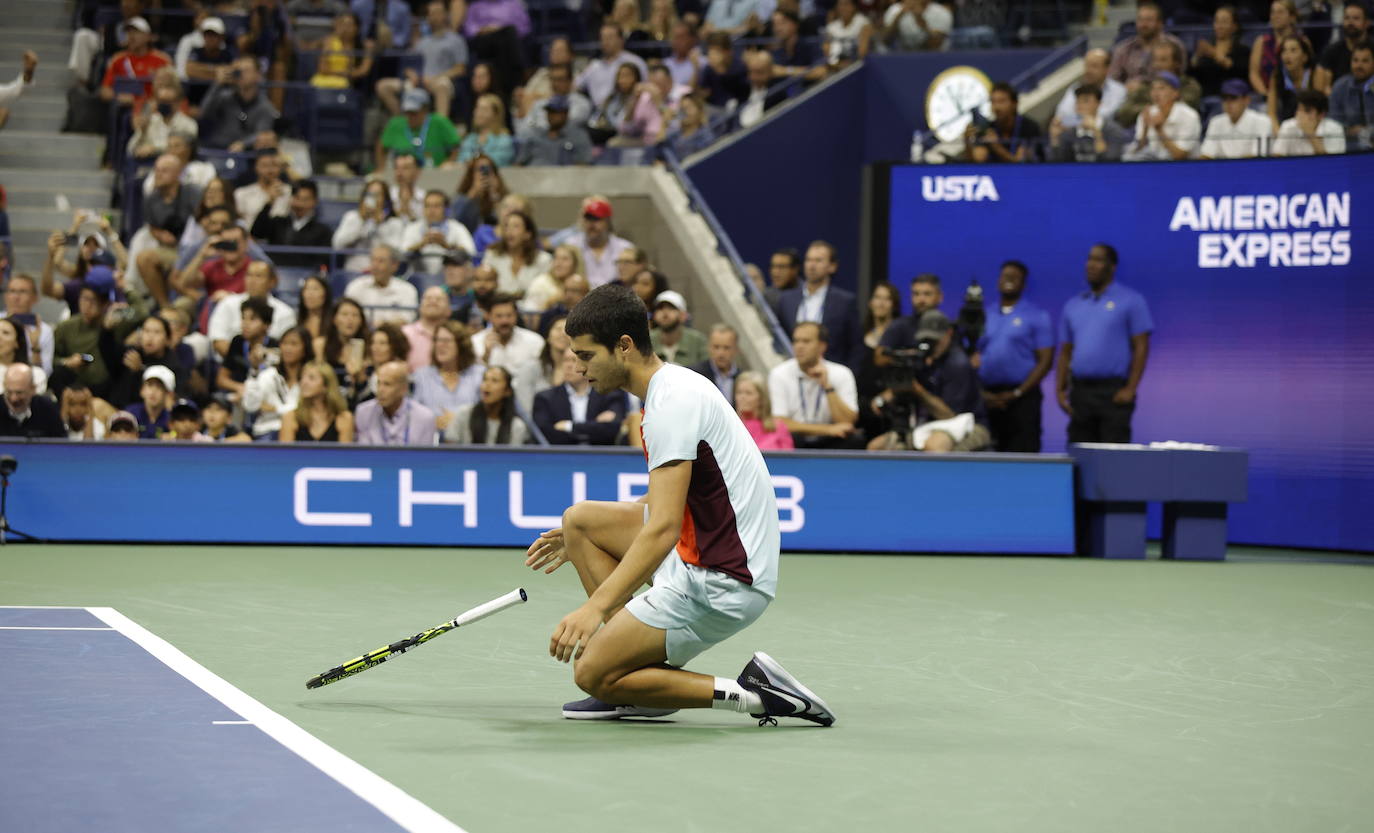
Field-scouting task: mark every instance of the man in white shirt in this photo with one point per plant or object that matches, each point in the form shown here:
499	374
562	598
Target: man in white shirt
1310	132
598	78
818	400
1237	132
912	25
1168	129
502	343
226	321
269	188
435	235
759	66
407	200
384	296
1095	65
10	92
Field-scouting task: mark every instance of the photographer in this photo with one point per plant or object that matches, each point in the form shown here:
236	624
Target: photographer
218	268
940	397
816	399
1016	352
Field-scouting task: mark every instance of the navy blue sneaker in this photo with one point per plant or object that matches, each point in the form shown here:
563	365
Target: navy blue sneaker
781	694
594	709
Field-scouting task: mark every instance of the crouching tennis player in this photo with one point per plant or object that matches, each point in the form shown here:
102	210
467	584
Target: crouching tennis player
706	533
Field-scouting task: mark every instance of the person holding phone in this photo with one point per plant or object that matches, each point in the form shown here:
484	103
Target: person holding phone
433	235
342	345
480	192
219	268
259	280
372	223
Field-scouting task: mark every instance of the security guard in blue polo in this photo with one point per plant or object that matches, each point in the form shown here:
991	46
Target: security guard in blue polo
1104	342
1016	350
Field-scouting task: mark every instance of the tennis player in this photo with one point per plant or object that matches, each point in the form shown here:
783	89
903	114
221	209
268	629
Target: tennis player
706	533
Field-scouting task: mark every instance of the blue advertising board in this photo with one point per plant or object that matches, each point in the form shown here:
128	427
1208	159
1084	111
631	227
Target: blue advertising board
1259	279
504	497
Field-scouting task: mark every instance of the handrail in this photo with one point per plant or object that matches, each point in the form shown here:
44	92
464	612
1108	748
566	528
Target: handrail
697	202
1035	72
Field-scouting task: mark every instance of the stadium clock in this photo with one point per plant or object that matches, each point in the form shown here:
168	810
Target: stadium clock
952	99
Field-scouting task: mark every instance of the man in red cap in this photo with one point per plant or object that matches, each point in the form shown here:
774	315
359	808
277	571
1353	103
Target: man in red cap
599	246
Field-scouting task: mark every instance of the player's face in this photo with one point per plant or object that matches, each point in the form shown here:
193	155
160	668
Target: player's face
603	370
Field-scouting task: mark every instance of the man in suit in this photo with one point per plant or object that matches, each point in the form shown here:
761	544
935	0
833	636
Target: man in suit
574	414
299	226
816	300
722	346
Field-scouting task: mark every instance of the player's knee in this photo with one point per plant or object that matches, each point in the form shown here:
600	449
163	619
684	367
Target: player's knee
939	442
575	517
593	680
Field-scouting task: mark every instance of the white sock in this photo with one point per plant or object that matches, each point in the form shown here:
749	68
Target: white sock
735	697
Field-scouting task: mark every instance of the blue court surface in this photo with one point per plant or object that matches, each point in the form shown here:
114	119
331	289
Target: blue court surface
108	728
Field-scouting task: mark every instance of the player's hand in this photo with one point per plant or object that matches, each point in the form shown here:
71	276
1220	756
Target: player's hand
1064	405
1124	396
547	552
570	638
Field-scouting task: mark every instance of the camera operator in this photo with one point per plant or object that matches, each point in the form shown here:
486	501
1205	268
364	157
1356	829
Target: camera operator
946	405
816	399
1017	349
901	334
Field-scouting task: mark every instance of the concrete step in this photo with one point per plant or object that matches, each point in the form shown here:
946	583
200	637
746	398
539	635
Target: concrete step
55	142
24	116
52	78
55	180
29	197
37	14
39	38
29	259
47	219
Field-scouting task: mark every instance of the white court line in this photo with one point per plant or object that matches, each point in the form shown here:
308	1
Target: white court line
392	801
231	723
36	628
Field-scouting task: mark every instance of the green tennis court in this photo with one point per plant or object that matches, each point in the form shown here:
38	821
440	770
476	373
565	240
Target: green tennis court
973	693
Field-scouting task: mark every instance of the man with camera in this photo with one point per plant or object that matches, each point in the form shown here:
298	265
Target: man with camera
219	268
933	401
1017	350
818	400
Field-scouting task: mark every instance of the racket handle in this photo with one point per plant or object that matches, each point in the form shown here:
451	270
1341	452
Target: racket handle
482	611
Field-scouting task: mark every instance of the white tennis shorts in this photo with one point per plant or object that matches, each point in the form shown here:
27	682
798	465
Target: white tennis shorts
697	607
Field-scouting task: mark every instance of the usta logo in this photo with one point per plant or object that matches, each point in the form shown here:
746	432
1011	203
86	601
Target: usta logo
970	188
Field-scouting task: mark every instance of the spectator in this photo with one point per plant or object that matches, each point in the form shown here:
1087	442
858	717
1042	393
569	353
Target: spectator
558	142
648	284
451	374
434	235
434	311
735	19
201	55
345	56
76	341
1335	61
10	91
548	289
195	173
312	20
188	347
128	363
218	426
484	288
548	372
558	52
268	39
759	97
598	79
407	198
577	108
722	347
480	192
625	14
248	351
1168	128
267	190
755	410
344	347
481	81
444	58
494	30
598	244
235	111
848	35
575	288
152	413
1009	137
458	289
160	117
492	420
76	414
1224	57
27	414
217	196
1352	97
390	26
918	25
1293	75
21	295
1113	92
98	241
1132	57
691	133
418	132
123	427
948	412
1094	137
259	281
724	81
384	296
219	276
575	414
820	302
1264	54
183	423
684	59
502	342
672	340
884	304
662	19
1237	132
298	226
137	60
394	418
792	56
387	343
276	389
620	107
784	270
1104	341
1016	352
516	257
1310	132
165	214
816	399
321	415
14	349
369	225
316	297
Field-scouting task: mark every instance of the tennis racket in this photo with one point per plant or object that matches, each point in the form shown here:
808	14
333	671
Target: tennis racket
381	655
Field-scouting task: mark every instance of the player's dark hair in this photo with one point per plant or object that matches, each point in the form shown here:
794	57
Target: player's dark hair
609	312
258	306
1109	251
1018	266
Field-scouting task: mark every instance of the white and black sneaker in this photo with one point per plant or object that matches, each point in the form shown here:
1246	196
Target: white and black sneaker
594	709
781	694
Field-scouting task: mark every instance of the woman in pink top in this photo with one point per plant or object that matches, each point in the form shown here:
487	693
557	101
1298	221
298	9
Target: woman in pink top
755	408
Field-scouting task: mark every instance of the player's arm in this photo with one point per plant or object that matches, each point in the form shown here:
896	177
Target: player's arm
668	500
